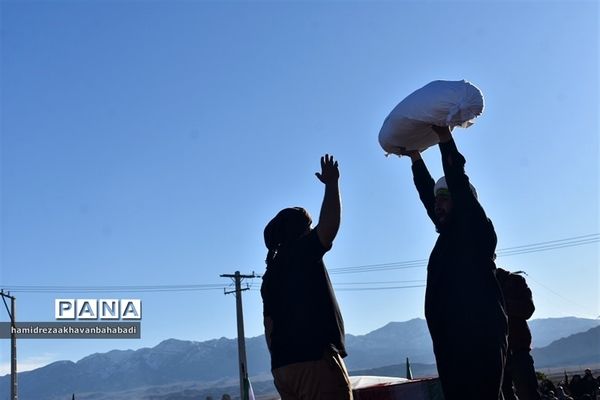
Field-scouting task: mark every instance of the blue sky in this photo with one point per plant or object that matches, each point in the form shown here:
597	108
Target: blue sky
148	143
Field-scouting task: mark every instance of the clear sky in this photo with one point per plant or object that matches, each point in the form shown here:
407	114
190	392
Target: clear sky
148	143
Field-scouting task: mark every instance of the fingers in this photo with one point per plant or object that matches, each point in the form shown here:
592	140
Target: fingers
399	150
402	151
327	160
329	169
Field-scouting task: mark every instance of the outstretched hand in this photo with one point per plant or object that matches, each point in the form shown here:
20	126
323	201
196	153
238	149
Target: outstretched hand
330	172
401	151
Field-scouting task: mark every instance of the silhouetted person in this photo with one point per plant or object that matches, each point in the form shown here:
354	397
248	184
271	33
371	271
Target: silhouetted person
561	394
551	396
546	386
589	384
519	308
303	324
463	302
576	386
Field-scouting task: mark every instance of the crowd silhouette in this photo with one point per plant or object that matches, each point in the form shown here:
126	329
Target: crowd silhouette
576	387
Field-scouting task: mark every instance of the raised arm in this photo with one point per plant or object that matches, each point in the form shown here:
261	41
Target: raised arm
331	209
423	182
453	162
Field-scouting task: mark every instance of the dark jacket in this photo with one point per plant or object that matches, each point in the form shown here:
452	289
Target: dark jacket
519	308
463	302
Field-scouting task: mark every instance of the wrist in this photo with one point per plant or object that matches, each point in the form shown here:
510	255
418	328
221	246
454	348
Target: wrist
444	133
445	137
415	156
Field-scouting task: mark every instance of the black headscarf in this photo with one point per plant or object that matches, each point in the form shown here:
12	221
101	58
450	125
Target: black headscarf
288	225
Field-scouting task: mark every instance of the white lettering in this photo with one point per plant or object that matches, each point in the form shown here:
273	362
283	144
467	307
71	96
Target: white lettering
64	308
114	309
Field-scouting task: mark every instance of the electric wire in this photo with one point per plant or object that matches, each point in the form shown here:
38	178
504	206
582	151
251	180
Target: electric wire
421	263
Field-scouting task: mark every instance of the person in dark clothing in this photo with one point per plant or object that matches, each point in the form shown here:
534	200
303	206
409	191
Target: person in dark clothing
519	371
463	302
304	328
576	386
589	384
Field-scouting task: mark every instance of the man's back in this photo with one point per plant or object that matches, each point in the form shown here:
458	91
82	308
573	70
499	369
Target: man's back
298	295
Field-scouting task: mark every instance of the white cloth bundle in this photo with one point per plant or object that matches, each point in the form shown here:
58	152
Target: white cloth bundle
442	103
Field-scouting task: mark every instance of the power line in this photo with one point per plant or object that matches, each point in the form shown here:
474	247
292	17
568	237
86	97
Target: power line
115	289
552	245
76	289
379	267
378	283
590	236
558	294
363	289
124	287
378	288
175	288
398	265
509	251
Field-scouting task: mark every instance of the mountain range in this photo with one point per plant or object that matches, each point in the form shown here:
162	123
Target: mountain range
199	366
575	350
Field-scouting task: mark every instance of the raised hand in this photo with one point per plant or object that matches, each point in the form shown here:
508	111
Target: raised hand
401	151
330	172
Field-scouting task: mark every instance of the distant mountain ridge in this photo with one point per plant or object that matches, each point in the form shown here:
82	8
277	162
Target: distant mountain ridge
547	330
391	344
578	349
197	364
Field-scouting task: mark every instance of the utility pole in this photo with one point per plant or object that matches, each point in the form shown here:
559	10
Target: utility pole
237	277
13	343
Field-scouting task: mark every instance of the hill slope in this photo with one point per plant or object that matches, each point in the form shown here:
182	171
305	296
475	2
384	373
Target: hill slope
197	364
576	350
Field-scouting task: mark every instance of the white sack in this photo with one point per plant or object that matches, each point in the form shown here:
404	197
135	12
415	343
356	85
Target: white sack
442	103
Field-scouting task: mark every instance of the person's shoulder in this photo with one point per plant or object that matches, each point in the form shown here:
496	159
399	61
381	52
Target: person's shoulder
517	281
309	247
517	278
501	275
311	239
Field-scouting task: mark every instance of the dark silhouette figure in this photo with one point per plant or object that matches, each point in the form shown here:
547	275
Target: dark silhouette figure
303	324
519	370
576	387
463	302
547	387
589	384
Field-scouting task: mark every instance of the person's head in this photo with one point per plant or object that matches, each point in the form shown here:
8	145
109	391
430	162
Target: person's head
588	372
443	201
443	206
288	225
